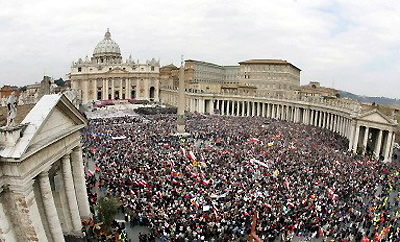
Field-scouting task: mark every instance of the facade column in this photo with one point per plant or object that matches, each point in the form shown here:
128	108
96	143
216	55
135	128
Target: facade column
343	126
103	90
50	208
326	120
79	182
7	233
312	117
253	109
268	110
365	141
25	213
70	192
323	119
218	107
120	88
351	136
332	122
388	146
378	144
242	106
112	89
223	107
128	88
287	113
391	146
320	119
94	89
263	109
356	137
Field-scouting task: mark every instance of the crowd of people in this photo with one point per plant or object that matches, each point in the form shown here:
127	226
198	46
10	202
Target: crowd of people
205	187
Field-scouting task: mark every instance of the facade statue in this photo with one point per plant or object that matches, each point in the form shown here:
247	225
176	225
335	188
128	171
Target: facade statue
12	109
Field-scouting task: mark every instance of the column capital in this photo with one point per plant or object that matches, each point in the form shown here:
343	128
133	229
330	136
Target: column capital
45	172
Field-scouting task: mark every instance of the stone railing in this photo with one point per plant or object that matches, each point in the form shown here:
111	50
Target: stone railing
344	105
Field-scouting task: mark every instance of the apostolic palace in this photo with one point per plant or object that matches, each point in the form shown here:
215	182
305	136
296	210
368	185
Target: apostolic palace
42	184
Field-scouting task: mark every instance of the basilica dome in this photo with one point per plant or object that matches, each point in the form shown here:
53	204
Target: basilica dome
107	46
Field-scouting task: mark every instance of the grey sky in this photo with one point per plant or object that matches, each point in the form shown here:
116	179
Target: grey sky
353	45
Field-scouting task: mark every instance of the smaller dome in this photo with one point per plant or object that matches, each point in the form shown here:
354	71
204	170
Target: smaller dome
107	46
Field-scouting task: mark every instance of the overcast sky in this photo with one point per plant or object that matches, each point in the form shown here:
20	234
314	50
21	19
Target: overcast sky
350	45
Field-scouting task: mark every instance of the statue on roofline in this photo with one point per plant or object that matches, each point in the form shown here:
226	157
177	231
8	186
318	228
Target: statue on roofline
12	109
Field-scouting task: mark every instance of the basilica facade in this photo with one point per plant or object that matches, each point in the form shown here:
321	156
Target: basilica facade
105	76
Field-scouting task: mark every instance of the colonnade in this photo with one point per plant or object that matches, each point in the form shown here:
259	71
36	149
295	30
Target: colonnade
363	134
36	216
375	137
338	122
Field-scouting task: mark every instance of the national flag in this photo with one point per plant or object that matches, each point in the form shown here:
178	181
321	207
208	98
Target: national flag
183	151
192	156
90	173
252	139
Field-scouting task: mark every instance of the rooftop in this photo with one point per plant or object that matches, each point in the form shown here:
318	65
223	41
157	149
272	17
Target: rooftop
269	61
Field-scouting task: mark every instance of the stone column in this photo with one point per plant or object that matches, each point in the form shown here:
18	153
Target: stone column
268	111
248	109
50	208
351	137
253	109
278	111
287	113
223	107
242	107
311	117
95	89
79	182
388	146
120	88
6	231
356	136
378	144
217	106
332	122
391	147
263	109
323	119
24	213
112	89
128	88
365	141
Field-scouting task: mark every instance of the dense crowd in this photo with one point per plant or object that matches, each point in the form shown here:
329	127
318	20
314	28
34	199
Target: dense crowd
300	179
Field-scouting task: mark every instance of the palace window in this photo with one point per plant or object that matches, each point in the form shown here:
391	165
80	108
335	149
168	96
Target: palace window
152	68
79	69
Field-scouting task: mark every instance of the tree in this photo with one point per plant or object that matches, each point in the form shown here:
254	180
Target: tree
22	89
107	209
59	82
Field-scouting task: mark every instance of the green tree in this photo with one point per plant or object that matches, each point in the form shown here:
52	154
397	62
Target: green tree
59	82
107	209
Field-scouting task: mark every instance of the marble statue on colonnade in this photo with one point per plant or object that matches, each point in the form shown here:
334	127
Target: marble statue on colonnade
12	109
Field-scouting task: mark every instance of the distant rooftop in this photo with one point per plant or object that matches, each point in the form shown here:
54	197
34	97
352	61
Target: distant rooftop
269	61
